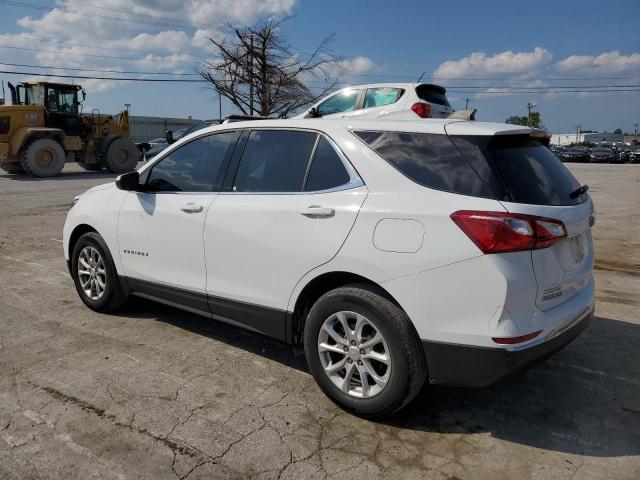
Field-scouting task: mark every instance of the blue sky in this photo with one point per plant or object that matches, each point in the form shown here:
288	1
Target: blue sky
532	45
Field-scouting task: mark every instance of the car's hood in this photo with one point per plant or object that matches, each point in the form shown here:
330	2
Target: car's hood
97	188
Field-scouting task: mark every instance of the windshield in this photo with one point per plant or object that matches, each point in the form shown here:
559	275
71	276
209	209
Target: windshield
432	94
35	95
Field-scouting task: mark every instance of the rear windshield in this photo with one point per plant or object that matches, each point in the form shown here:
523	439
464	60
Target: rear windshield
529	172
513	168
432	94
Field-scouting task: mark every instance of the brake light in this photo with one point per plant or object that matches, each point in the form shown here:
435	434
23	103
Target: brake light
423	110
500	232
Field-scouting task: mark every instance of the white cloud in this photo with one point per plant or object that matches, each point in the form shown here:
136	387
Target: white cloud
357	65
158	36
479	64
607	62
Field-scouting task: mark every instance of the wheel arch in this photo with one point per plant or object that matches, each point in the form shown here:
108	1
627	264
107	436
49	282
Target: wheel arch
23	135
314	289
76	233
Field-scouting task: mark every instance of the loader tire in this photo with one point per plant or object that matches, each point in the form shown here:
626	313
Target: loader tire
42	158
12	167
122	156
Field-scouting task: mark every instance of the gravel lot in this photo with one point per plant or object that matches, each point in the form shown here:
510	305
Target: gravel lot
154	392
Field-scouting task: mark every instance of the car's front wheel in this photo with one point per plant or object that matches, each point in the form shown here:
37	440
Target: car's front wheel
95	275
363	351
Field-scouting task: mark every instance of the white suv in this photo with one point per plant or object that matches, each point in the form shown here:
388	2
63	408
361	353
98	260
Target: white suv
394	252
396	101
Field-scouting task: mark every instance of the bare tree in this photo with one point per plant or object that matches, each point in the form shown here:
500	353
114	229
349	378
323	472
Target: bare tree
259	72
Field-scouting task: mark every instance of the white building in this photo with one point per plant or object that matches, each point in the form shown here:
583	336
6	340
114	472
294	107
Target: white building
566	138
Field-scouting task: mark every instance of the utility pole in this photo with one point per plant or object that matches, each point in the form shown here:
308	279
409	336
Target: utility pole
466	104
219	105
530	105
635	132
578	132
251	75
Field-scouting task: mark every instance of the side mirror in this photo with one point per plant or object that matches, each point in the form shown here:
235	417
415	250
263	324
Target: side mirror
168	136
129	182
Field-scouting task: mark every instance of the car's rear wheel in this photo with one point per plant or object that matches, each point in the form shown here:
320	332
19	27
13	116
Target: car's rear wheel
363	351
95	275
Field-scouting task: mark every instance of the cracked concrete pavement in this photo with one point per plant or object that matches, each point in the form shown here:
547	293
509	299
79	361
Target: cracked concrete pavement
153	392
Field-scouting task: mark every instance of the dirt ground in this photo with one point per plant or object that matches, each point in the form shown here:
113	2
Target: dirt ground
153	392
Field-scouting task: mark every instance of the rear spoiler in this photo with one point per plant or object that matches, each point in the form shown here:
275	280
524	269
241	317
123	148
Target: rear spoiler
463	114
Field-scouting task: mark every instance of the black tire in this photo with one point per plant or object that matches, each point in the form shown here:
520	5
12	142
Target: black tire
43	157
12	167
114	295
122	156
92	167
408	363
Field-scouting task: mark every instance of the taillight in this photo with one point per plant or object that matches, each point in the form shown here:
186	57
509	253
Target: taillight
500	232
423	110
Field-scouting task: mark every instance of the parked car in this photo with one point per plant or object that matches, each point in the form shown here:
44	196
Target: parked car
634	155
172	137
557	150
602	155
576	154
624	154
380	247
398	101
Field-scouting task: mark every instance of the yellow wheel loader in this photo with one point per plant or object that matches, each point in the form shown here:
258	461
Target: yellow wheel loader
44	128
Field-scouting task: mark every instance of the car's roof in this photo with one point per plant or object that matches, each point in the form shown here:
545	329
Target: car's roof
430	125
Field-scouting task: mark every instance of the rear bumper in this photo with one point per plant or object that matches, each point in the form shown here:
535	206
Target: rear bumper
471	366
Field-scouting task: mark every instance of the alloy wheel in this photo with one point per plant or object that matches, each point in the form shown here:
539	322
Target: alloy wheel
354	354
91	273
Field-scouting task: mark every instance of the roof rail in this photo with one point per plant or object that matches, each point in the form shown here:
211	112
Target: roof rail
242	118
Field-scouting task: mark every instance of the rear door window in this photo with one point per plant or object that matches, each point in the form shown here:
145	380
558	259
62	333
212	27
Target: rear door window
344	101
274	161
528	170
432	94
431	160
380	96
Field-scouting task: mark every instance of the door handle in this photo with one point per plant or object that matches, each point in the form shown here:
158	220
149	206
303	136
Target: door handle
318	211
191	208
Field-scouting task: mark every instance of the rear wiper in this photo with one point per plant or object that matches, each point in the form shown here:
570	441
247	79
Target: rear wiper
579	191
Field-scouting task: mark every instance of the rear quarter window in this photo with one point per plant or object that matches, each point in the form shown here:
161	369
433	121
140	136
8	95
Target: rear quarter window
430	160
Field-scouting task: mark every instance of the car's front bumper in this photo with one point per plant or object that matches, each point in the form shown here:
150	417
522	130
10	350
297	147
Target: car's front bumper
472	366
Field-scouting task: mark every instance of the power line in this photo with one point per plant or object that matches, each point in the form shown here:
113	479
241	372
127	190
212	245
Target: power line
510	87
179	80
131	72
98	56
118	79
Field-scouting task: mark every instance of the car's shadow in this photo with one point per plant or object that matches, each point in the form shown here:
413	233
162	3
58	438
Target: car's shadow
88	175
585	400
